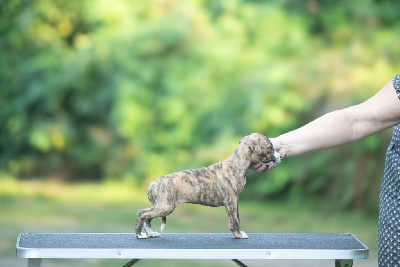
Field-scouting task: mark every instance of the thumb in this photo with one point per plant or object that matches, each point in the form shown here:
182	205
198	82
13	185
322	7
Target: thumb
278	147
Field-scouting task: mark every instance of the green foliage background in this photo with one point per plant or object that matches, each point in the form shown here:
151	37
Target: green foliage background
131	90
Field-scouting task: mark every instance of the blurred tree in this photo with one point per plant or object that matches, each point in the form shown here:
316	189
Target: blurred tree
132	90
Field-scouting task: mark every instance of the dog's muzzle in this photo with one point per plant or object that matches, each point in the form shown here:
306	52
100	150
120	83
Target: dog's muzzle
276	157
275	160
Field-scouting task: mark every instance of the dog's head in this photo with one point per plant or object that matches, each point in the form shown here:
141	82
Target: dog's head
261	149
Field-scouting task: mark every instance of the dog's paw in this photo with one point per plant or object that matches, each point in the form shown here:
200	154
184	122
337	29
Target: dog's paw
154	234
244	235
142	236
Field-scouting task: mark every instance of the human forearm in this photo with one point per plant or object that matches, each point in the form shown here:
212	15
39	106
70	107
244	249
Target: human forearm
328	131
340	127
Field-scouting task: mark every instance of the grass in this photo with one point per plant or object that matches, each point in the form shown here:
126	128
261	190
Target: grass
110	207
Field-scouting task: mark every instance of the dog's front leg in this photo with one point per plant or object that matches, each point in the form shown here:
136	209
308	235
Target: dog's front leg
233	219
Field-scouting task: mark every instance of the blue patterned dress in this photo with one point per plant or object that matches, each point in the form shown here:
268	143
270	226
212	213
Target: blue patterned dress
389	200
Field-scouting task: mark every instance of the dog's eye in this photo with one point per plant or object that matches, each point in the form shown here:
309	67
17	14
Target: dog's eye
271	147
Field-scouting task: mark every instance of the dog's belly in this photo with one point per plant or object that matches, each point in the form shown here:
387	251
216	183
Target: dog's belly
200	186
209	194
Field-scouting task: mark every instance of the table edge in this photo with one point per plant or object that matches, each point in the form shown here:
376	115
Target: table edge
115	253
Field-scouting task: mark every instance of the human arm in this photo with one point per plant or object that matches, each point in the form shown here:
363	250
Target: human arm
340	127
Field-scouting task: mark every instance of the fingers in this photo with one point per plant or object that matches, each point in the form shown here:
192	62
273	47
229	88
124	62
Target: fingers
261	167
282	152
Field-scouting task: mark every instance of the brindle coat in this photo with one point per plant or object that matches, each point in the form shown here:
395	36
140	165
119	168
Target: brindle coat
217	185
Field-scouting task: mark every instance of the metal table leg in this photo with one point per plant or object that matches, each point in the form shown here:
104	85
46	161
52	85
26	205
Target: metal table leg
238	262
34	262
131	263
343	263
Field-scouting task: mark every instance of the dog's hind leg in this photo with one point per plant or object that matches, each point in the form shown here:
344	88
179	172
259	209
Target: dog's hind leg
149	231
233	219
147	215
140	220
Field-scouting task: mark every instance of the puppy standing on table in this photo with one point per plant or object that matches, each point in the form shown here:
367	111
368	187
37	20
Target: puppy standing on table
217	185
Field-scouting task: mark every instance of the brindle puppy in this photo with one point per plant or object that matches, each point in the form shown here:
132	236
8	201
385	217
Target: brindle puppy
217	185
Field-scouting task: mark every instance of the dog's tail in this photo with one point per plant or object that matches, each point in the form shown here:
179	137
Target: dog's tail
164	222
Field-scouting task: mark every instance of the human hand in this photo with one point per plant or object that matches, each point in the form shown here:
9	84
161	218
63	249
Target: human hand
264	167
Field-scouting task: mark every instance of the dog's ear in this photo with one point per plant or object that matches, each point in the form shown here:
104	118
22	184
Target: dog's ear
255	146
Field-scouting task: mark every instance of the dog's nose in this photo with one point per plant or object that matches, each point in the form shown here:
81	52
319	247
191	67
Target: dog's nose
277	157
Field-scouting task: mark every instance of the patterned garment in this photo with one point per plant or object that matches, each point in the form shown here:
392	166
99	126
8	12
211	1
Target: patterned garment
396	84
389	201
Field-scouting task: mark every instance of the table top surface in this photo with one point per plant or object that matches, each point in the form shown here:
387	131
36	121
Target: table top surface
211	245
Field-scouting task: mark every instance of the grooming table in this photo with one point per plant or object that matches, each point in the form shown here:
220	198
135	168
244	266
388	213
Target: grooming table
343	248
